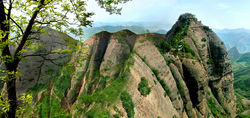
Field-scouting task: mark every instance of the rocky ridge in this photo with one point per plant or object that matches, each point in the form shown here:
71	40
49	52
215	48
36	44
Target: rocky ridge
185	73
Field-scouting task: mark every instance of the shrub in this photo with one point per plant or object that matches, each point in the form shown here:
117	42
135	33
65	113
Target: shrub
186	48
203	39
210	61
203	45
116	116
206	28
163	46
127	104
143	87
168	61
162	82
215	108
165	87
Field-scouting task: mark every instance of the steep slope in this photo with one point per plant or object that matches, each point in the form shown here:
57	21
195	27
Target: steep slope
185	73
39	65
234	53
241	67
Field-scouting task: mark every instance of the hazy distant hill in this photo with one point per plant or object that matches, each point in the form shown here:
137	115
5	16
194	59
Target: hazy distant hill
239	38
234	53
137	28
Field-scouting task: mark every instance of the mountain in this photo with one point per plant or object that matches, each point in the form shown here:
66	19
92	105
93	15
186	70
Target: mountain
234	53
183	73
136	28
239	38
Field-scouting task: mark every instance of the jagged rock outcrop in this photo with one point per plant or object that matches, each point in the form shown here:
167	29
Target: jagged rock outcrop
185	73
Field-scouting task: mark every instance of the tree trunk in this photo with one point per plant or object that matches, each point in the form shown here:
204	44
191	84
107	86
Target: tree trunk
11	89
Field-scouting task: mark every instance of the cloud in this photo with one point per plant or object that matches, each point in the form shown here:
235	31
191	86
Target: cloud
223	6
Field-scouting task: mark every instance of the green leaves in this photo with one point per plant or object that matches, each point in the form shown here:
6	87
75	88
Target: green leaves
127	104
111	6
143	87
26	101
4	103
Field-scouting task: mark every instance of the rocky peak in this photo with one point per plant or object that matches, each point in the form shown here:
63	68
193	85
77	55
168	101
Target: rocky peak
187	17
234	53
185	73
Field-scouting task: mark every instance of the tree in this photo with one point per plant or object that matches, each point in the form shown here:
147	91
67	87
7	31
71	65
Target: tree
22	19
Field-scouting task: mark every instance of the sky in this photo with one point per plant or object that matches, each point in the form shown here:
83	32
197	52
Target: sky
219	14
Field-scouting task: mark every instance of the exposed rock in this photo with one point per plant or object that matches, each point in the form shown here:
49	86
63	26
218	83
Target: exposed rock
187	70
40	65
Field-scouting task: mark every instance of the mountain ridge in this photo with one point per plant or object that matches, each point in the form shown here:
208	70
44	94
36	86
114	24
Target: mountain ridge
184	73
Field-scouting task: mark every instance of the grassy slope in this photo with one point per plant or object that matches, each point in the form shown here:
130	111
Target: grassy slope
241	68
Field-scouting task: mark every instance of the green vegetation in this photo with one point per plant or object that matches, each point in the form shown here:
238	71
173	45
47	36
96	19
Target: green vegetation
143	87
210	61
105	95
116	116
206	28
127	104
122	36
180	47
203	39
168	61
162	45
203	45
160	42
241	69
244	58
49	105
156	73
243	116
179	86
162	82
216	109
186	49
239	105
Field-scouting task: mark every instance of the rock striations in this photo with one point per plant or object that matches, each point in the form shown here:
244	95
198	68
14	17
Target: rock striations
183	74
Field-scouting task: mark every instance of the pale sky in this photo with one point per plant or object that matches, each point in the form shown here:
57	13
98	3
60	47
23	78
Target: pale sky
218	14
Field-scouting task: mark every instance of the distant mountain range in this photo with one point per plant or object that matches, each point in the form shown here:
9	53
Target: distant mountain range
138	29
239	38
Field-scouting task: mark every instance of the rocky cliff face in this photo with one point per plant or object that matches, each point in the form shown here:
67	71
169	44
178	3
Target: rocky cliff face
39	65
185	73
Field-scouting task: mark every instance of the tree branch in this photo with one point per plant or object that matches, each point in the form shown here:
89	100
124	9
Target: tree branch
52	21
17	25
9	10
5	28
27	31
43	56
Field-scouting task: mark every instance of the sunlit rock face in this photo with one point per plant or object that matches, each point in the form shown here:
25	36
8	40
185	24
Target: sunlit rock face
183	74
